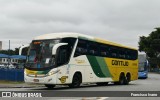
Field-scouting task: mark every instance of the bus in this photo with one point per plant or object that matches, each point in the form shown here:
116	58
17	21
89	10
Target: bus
73	59
143	67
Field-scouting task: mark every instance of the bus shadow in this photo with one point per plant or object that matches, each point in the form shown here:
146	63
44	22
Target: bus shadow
142	78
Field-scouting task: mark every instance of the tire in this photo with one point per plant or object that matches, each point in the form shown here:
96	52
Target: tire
102	84
116	83
50	86
127	79
122	80
77	80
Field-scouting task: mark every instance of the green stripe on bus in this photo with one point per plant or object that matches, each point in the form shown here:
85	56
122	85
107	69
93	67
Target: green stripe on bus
95	66
103	66
43	72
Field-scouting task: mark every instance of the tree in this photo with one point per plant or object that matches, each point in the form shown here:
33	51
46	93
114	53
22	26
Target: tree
151	46
8	52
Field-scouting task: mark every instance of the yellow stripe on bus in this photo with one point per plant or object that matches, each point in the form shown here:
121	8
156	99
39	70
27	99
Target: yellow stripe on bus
116	66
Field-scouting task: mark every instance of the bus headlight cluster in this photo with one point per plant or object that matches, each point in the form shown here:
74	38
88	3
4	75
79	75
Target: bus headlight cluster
53	72
144	73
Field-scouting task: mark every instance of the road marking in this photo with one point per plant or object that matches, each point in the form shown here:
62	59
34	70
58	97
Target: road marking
103	98
94	98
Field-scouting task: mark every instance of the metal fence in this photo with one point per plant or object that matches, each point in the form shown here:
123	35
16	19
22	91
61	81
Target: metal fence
12	74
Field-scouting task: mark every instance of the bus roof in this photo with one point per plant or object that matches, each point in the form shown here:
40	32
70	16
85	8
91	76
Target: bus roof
77	35
61	35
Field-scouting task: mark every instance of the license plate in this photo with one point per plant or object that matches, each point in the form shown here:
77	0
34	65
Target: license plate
36	80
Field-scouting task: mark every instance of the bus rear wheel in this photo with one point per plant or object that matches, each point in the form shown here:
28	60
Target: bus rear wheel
122	80
50	86
77	78
128	79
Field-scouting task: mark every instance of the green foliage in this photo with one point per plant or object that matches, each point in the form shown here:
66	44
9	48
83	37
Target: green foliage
151	46
14	52
8	52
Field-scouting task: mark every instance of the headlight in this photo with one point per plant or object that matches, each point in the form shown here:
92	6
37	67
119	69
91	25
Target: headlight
144	73
54	71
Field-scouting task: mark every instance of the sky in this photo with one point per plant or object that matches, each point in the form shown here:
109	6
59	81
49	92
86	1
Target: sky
120	21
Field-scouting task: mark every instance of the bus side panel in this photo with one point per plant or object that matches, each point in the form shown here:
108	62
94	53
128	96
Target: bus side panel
93	69
134	74
63	75
76	64
134	67
117	66
82	65
99	68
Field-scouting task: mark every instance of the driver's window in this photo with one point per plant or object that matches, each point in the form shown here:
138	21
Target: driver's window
62	57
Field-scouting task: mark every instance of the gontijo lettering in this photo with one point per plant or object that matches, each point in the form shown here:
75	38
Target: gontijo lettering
120	63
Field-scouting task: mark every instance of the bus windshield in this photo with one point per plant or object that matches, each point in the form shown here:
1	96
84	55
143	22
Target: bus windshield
142	67
40	54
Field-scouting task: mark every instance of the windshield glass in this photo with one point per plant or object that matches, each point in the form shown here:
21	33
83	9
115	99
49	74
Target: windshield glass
40	54
142	67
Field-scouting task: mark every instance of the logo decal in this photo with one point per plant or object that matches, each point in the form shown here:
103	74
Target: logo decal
63	79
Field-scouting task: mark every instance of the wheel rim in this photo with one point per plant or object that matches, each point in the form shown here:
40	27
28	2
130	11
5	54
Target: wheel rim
121	80
76	82
128	79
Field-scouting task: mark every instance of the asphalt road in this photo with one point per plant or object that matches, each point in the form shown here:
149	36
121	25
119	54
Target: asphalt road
150	84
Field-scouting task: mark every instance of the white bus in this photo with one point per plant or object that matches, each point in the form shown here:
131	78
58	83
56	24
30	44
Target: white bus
73	58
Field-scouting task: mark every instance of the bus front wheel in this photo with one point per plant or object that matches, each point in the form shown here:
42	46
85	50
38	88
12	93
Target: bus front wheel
77	78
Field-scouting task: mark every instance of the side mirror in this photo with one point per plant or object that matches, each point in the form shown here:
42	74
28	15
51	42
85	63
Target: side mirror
21	48
55	47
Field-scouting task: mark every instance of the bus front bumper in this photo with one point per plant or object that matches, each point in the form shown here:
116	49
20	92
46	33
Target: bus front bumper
41	80
142	75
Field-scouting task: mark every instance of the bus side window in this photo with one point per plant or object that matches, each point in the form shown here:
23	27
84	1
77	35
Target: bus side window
103	52
79	51
81	48
134	55
92	52
114	55
127	54
121	53
93	49
62	56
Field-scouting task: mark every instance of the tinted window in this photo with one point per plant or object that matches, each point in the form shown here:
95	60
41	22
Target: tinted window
85	47
104	50
81	48
64	52
92	49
